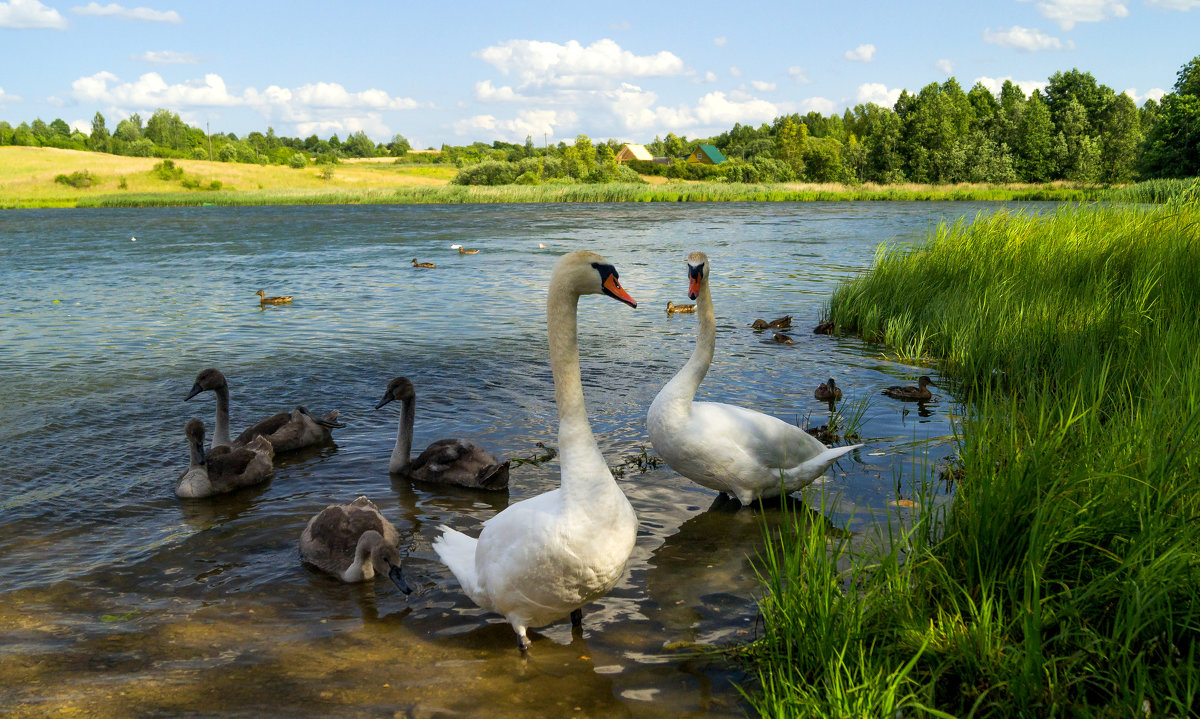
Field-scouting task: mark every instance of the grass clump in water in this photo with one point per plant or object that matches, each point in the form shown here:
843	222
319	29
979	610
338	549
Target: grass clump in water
1064	580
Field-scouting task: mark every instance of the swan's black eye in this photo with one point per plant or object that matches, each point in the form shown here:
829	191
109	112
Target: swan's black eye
695	271
605	271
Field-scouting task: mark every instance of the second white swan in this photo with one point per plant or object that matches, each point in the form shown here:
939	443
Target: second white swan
739	451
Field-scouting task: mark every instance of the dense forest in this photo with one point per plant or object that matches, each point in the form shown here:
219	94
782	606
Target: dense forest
1074	129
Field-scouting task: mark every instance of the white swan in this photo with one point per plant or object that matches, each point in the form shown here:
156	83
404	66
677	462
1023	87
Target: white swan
353	542
286	431
730	449
222	469
547	556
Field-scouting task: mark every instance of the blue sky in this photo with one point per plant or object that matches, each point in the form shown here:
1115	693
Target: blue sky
465	71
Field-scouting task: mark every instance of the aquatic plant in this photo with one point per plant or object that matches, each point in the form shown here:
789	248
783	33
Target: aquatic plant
1064	579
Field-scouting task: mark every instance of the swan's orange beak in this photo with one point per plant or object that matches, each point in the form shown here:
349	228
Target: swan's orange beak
693	287
613	289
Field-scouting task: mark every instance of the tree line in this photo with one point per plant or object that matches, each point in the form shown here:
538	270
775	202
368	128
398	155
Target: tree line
1074	129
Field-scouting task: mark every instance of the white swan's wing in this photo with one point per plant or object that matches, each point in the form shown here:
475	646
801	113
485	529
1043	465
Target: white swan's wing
768	441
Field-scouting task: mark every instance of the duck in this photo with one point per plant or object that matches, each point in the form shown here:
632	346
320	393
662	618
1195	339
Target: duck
222	469
778	324
281	300
825	328
781	338
464	251
920	393
426	265
673	308
446	461
286	431
734	450
828	391
547	556
354	542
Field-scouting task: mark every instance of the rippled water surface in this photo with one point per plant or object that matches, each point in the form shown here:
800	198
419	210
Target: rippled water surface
117	597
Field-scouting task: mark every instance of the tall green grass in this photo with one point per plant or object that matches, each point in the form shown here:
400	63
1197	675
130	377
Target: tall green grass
1156	191
1064	580
610	192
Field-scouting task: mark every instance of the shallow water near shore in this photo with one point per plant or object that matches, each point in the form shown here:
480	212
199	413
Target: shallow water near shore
118	598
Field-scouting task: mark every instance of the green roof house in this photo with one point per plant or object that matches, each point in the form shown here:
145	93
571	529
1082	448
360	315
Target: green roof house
706	155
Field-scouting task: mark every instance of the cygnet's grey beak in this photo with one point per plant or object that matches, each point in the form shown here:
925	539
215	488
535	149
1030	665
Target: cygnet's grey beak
387	397
196	389
397	578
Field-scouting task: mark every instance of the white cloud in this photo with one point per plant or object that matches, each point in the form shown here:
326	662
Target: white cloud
1184	5
735	71
719	41
166	57
486	93
993	84
634	110
5	97
762	86
877	93
817	104
371	123
1022	38
128	13
862	53
622	25
799	74
1154	93
83	126
572	65
150	90
716	108
1068	12
536	123
944	65
24	14
710	77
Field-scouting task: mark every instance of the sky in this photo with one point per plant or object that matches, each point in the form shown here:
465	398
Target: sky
462	72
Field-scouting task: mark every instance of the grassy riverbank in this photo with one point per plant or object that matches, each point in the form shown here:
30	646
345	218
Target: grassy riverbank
1065	578
27	179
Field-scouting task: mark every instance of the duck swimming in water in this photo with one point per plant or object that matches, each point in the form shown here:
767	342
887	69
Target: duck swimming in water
673	308
776	324
920	393
426	265
828	391
281	300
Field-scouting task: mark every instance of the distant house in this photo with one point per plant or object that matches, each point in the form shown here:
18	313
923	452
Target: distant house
630	151
706	155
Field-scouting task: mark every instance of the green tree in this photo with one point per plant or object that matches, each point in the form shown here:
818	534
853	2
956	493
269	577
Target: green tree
359	145
790	141
823	160
587	154
129	129
399	146
1120	140
99	140
1076	152
1034	141
165	129
672	146
60	127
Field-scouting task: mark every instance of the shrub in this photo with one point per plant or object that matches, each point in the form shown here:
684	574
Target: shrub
488	172
199	153
227	153
327	158
123	185
79	178
327	172
298	161
140	148
214	185
528	178
166	170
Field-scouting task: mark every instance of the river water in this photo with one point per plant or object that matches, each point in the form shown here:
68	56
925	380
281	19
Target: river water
120	599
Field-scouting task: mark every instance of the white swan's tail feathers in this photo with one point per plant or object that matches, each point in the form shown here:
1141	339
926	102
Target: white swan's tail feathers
457	551
822	461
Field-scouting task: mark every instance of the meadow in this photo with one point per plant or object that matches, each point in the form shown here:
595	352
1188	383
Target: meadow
27	180
1064	579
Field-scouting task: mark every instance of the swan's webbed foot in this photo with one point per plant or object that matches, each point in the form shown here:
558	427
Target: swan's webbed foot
577	617
523	642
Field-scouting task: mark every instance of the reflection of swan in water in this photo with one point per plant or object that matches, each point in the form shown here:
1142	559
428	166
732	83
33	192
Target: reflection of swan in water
701	580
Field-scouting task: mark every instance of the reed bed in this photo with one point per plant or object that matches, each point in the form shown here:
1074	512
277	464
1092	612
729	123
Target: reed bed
611	192
1064	579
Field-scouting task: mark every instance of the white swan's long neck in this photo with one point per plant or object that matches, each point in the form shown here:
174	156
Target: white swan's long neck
580	458
681	390
404	436
221	430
